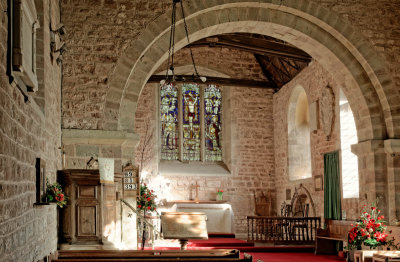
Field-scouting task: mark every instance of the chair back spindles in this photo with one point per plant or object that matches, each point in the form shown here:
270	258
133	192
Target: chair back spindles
282	229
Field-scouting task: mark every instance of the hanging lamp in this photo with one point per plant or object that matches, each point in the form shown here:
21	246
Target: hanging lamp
170	73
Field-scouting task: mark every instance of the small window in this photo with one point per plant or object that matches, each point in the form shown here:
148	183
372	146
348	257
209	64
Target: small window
190	122
299	136
348	137
23	27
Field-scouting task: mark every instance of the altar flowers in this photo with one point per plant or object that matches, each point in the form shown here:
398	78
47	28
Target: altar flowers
369	230
146	200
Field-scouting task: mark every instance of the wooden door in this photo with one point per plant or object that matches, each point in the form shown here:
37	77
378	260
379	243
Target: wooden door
88	212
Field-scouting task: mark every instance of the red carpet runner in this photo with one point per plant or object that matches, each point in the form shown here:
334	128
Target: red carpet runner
259	253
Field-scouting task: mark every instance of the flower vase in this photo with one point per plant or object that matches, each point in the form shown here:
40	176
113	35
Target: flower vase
219	196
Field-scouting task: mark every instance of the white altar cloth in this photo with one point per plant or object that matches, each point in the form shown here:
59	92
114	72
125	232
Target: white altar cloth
219	216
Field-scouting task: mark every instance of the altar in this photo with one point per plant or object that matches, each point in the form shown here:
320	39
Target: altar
219	213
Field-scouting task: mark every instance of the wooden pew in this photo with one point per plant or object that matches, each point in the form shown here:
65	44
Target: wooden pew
336	230
248	259
220	255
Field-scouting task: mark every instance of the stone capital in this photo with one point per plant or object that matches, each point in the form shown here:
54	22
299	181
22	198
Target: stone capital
392	146
367	147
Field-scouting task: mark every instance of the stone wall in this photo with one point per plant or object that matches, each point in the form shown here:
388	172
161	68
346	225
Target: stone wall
99	33
379	23
28	131
313	79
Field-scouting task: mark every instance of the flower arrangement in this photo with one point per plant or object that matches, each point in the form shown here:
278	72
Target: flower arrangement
369	230
146	200
55	194
220	192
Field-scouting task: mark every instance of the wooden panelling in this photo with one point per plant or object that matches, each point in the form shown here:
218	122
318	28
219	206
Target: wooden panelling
87	191
87	221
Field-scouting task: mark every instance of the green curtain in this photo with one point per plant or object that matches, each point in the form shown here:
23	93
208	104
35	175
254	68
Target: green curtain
332	203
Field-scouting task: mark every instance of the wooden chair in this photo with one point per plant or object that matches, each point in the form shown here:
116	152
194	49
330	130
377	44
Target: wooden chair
263	204
286	210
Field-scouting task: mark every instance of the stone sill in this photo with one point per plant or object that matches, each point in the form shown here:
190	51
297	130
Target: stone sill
44	205
177	168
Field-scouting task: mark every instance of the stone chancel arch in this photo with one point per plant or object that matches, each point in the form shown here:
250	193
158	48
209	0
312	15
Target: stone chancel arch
332	42
335	44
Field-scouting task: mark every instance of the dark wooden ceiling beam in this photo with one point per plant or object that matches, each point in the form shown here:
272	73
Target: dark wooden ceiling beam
267	74
255	45
217	81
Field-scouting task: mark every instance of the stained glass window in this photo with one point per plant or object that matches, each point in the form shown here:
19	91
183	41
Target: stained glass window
169	123
212	115
191	121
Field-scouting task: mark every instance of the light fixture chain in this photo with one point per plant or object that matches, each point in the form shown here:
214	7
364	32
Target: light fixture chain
187	36
171	50
170	62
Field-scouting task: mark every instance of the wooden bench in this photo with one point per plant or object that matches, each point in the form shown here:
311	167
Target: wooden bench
218	255
336	230
386	256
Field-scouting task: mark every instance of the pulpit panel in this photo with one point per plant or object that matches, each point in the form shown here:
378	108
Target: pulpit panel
88	210
87	221
87	191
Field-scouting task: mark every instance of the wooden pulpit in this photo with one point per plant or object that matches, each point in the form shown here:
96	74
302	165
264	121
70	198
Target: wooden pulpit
91	206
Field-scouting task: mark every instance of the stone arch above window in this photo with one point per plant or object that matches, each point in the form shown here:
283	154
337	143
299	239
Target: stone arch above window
299	151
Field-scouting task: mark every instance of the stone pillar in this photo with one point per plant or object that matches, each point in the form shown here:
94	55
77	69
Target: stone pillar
373	174
392	148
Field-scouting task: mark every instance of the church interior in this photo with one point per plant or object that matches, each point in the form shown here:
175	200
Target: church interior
268	126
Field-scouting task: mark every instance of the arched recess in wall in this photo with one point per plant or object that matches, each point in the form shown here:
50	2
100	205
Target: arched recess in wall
299	151
335	44
349	161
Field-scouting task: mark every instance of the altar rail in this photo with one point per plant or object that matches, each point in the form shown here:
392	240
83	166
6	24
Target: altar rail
282	230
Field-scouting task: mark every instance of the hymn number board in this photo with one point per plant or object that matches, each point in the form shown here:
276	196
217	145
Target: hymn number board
131	180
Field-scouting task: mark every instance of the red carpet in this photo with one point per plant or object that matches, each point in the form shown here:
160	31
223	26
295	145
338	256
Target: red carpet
259	253
294	257
219	242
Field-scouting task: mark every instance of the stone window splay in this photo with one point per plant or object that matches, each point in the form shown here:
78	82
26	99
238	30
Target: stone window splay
23	61
299	147
349	161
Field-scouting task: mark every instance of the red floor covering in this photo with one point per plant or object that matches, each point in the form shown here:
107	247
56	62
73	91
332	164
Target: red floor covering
219	242
259	253
293	257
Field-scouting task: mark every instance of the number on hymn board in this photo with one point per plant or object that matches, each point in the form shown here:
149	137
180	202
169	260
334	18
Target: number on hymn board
130	186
